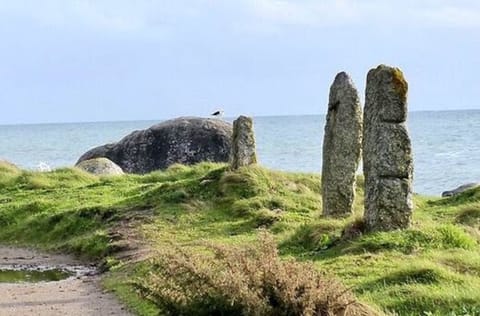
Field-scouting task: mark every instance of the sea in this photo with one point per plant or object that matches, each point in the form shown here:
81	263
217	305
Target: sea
446	144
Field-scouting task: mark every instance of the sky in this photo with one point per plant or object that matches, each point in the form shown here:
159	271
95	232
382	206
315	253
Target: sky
109	60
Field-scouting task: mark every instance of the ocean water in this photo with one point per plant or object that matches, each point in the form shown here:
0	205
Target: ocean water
446	144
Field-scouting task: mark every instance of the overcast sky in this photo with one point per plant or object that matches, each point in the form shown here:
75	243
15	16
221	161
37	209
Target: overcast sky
80	60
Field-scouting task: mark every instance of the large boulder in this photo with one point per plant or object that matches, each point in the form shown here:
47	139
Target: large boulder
185	140
100	167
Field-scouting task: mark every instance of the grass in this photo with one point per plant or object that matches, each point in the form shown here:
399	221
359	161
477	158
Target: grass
433	268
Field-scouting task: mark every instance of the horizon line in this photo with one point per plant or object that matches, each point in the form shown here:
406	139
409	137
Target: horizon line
209	116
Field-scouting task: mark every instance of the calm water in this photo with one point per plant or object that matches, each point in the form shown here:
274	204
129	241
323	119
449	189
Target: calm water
446	144
33	276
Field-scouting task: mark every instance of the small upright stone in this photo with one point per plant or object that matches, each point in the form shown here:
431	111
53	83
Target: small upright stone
243	143
387	151
341	147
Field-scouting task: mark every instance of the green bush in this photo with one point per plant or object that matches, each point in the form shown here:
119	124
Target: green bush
249	280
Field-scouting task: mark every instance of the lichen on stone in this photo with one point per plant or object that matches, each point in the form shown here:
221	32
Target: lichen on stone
400	84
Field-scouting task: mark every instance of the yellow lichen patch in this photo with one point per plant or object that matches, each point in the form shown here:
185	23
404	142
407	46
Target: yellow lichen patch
400	84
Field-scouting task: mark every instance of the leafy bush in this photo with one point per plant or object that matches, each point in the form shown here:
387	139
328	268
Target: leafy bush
249	280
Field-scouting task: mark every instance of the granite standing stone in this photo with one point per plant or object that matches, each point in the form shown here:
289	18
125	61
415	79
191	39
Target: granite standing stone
341	147
387	151
243	143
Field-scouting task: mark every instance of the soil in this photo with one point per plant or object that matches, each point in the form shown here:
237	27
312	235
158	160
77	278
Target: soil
75	296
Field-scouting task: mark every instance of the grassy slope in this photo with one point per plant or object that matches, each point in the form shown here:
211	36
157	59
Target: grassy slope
434	267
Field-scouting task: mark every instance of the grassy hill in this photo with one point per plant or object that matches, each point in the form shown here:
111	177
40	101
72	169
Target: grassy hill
198	216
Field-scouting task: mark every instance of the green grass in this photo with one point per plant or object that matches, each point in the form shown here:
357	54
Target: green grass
433	268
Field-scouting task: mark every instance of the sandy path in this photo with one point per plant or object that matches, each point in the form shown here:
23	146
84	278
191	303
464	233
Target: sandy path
74	296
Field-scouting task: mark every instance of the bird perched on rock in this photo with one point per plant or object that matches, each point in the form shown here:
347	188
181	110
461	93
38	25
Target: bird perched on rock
218	113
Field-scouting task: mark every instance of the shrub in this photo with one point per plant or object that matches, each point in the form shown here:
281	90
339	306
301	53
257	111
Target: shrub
250	280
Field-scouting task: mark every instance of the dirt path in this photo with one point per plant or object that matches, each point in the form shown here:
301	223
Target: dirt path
80	295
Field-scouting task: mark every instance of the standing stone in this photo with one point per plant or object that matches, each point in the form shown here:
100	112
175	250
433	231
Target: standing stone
341	147
387	151
243	143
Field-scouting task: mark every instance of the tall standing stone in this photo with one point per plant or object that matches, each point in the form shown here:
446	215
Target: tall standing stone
387	151
341	147
243	143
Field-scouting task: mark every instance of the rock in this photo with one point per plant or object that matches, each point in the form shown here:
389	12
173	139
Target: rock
460	189
186	140
243	143
341	147
387	151
100	167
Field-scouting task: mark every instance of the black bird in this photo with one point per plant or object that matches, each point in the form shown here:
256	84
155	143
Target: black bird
217	113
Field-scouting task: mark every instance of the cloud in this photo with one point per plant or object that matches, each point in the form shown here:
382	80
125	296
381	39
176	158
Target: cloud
109	15
437	13
304	12
452	16
160	17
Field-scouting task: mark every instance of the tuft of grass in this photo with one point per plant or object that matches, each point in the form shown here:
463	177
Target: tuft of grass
469	215
265	218
411	240
9	173
119	282
410	275
7	168
354	229
312	237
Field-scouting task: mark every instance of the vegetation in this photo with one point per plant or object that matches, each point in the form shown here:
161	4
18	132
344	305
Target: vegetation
210	216
250	280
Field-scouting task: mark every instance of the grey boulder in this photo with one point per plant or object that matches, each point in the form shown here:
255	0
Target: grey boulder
460	189
100	167
185	140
